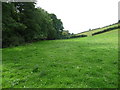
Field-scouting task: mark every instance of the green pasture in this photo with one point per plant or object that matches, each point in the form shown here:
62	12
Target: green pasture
89	62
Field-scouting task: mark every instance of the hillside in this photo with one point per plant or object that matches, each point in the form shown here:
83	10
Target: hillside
90	62
89	33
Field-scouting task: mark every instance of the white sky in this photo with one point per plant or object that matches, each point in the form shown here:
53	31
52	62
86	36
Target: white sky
81	15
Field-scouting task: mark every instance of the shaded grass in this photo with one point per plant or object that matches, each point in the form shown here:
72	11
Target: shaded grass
90	62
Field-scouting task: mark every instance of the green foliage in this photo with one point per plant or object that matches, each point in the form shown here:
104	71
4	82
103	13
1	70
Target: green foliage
22	22
90	62
11	27
58	25
66	34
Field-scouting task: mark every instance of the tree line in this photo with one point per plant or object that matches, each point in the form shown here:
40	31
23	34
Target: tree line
22	22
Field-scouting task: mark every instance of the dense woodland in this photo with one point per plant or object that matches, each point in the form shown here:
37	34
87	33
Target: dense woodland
22	22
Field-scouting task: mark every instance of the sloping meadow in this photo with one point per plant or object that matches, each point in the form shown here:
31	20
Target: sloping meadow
89	62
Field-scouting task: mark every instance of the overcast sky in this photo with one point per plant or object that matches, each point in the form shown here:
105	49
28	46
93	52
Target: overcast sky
81	15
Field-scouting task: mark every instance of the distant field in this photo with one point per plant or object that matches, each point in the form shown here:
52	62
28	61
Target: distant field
89	62
89	33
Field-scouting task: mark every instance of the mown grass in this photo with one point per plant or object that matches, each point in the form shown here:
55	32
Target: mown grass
90	62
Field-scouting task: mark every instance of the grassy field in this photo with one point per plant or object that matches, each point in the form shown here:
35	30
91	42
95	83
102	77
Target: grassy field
90	62
89	33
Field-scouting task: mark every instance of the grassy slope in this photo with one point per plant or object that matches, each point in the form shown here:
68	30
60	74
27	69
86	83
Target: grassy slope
88	62
89	33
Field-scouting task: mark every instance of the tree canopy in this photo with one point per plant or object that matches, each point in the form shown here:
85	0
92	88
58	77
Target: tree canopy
22	23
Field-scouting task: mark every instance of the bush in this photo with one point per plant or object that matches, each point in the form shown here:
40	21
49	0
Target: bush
11	39
78	36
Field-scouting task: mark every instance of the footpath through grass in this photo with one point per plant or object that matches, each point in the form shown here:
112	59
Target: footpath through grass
88	62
